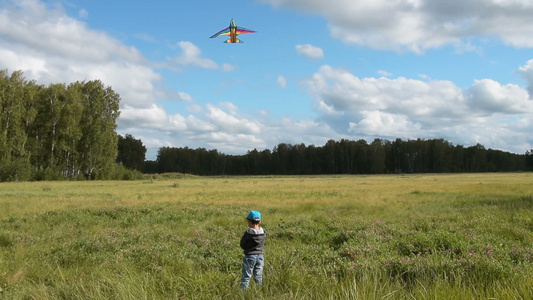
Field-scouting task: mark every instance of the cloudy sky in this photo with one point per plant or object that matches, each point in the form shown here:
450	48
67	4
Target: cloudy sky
460	70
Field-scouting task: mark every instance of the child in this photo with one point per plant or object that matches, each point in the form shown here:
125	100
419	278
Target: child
253	244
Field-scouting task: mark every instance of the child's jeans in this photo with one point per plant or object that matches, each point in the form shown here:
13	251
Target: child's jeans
252	265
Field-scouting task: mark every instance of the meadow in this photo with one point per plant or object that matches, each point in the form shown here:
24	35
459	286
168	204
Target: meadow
460	236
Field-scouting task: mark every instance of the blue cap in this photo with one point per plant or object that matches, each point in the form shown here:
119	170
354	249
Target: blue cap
254	215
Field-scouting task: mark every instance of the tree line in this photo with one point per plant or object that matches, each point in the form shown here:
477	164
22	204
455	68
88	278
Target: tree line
343	157
57	131
65	131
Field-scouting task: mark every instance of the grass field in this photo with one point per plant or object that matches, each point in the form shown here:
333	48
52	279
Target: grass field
467	236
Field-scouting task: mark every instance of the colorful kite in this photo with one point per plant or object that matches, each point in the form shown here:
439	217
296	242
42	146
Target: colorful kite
233	31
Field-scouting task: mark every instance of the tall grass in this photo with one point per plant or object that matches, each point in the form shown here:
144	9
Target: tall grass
329	237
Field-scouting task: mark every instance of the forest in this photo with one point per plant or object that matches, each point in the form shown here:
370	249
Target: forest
68	131
57	131
343	157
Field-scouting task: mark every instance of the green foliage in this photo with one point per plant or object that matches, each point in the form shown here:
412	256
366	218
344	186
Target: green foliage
48	174
122	173
529	160
5	241
342	157
131	152
16	101
58	131
16	170
98	143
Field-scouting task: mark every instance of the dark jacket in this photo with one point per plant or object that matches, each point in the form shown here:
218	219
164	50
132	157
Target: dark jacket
253	241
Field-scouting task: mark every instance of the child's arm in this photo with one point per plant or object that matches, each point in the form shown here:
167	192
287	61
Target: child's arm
244	240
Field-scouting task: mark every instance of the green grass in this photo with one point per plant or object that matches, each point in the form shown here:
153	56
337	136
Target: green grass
329	237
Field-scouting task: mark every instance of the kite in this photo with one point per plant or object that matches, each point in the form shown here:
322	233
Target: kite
233	30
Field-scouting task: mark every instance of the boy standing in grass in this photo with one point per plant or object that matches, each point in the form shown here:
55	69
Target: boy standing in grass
253	244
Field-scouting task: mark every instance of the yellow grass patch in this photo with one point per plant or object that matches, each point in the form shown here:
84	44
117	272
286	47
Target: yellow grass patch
370	192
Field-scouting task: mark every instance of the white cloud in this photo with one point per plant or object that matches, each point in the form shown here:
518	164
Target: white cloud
184	97
379	123
310	51
192	56
228	67
149	117
198	125
31	25
50	47
342	91
487	112
417	25
211	126
309	132
83	13
384	73
230	122
282	82
231	143
492	97
230	107
527	72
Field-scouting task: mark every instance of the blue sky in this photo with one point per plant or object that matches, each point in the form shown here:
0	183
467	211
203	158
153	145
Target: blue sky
461	70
